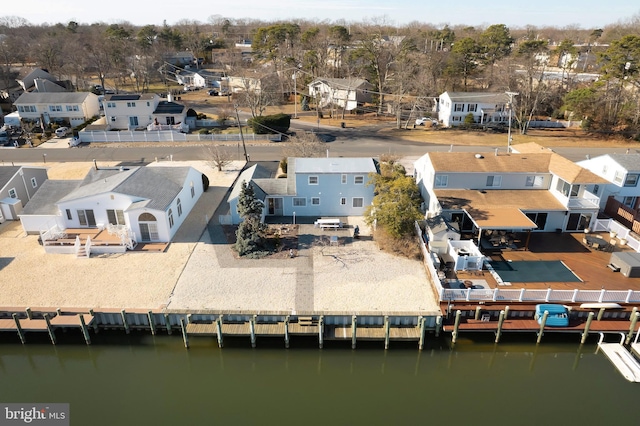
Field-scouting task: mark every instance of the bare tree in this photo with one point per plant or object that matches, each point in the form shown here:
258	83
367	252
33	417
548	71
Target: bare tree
219	157
305	145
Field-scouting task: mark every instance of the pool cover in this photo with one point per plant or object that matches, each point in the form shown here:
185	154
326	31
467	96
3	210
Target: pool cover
528	271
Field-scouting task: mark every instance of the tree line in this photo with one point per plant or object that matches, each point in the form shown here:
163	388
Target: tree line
408	65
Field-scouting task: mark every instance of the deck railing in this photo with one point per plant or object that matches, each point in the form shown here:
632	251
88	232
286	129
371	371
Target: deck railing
549	295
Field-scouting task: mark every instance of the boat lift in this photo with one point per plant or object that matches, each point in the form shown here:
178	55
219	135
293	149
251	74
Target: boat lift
621	358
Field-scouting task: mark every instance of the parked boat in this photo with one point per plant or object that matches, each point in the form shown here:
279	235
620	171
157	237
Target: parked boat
558	315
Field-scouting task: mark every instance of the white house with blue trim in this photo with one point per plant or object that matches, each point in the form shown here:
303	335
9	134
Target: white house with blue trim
314	187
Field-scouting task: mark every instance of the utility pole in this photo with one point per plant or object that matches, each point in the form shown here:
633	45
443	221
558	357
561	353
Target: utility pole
244	147
510	106
295	95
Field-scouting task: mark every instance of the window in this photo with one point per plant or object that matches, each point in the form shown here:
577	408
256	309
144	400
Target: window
131	104
115	217
313	180
343	201
179	207
69	217
596	189
72	108
55	108
13	193
617	177
456	118
575	190
358	202
629	202
441	181
358	180
494	181
631	180
193	192
171	121
472	108
534	181
315	201
34	182
27	108
343	179
133	121
111	104
563	187
147	104
170	216
299	202
458	107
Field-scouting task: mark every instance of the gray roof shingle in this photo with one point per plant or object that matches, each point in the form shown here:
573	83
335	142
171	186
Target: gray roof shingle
7	173
631	162
50	192
29	98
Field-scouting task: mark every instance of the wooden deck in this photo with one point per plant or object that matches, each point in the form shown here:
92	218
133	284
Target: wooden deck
588	264
98	236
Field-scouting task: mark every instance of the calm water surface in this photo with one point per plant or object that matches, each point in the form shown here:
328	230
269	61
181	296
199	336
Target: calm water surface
142	380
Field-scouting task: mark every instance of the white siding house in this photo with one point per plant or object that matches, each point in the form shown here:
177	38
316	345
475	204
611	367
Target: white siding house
72	107
128	112
314	187
151	202
486	107
535	190
623	173
346	93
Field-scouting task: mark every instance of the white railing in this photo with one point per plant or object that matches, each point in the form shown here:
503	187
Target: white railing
549	295
622	232
87	247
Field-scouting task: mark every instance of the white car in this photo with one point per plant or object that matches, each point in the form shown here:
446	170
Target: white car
61	132
424	120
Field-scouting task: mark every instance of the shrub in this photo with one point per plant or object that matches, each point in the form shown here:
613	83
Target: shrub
277	123
203	131
283	165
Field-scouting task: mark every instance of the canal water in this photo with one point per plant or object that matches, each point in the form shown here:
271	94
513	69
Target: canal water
139	379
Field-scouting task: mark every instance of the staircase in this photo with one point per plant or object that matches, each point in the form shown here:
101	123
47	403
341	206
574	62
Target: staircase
83	251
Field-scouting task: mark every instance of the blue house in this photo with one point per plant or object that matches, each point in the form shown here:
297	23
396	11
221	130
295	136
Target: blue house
313	187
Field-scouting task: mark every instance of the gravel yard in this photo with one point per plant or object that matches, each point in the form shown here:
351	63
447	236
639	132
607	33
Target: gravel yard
195	273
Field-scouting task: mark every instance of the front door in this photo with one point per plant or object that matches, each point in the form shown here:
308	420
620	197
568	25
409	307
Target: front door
275	207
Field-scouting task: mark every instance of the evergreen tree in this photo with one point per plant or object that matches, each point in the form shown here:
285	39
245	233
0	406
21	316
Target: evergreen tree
250	233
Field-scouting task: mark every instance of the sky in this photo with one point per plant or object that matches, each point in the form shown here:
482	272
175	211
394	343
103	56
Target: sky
559	13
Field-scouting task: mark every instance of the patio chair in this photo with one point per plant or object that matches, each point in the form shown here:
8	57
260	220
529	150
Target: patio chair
612	246
585	242
596	246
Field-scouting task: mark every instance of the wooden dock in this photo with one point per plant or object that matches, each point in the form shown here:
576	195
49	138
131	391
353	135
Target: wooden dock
375	333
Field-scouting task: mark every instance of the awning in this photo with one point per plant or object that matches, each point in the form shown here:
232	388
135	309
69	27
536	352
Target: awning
500	218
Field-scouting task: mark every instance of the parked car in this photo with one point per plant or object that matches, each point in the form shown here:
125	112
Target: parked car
75	141
61	132
422	121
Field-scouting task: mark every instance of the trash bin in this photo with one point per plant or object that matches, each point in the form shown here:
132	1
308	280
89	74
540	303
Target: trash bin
342	125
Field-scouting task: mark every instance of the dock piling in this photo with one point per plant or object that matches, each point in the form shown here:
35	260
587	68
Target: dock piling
85	330
286	332
167	323
354	326
501	318
477	316
252	330
587	326
52	335
438	325
219	331
152	323
29	313
542	324
600	314
19	328
95	323
632	327
506	312
184	333
456	324
422	323
321	331
123	314
387	330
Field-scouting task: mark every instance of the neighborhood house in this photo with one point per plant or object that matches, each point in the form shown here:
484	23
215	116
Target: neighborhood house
313	187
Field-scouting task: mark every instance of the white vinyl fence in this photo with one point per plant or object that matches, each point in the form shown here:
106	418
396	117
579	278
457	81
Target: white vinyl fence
168	136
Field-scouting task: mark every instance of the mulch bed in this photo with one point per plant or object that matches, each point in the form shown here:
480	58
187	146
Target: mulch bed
280	239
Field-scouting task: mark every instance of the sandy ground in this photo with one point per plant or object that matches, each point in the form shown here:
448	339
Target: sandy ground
194	273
